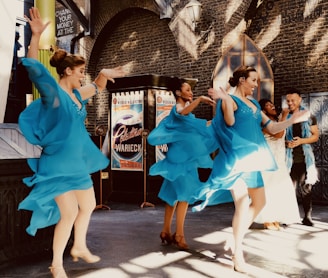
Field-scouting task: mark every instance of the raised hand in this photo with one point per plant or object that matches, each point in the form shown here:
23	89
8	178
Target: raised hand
35	21
218	94
207	100
110	74
300	116
37	27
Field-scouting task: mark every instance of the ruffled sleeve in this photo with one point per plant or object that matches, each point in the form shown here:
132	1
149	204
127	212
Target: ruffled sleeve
38	121
189	141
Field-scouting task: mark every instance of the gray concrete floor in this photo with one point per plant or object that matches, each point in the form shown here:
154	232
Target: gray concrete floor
127	239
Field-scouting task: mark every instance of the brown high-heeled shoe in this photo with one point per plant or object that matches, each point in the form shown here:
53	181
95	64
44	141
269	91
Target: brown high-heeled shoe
86	255
270	226
277	225
179	241
57	272
166	238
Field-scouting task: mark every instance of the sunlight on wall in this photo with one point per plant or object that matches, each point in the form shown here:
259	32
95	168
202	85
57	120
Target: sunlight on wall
156	56
232	6
310	5
185	37
309	35
131	43
270	33
321	44
233	35
319	50
128	67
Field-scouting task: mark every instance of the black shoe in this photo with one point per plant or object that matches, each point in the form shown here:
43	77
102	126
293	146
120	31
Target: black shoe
307	222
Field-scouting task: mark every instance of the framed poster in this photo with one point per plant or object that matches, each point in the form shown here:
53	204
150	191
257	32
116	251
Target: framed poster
127	125
164	100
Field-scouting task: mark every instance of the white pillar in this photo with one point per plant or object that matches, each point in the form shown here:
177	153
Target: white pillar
8	13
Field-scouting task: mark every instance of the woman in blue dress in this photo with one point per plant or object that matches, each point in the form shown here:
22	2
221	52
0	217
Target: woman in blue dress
62	190
243	153
189	146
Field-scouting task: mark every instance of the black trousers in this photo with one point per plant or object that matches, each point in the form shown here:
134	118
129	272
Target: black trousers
304	190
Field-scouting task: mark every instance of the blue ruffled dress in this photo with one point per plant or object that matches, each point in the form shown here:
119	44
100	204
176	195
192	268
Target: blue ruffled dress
190	143
243	154
68	156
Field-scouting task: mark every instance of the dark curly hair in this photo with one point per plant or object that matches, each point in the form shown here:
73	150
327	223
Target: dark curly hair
292	90
263	102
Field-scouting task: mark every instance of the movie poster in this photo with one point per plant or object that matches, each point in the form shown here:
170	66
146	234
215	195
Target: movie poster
127	124
165	100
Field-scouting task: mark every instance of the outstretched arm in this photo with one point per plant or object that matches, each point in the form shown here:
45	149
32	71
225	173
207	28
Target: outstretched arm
282	117
275	127
186	110
228	104
100	82
37	27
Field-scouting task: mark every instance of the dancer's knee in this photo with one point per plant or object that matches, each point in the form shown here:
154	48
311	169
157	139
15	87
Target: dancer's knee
69	215
87	207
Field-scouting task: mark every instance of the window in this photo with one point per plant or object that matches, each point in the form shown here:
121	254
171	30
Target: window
245	52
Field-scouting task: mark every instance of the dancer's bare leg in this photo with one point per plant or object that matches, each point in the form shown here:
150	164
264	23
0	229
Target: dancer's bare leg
87	203
165	234
68	208
257	196
168	216
245	212
181	212
240	217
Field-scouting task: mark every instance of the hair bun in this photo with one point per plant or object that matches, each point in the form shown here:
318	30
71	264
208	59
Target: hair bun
58	57
233	82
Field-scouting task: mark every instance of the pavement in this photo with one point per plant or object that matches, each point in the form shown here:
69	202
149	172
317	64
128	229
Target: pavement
127	239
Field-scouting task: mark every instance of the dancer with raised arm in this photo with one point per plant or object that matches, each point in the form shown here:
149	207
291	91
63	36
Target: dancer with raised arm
189	146
62	189
243	154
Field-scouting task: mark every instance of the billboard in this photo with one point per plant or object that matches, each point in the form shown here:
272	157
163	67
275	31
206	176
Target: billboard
164	100
127	125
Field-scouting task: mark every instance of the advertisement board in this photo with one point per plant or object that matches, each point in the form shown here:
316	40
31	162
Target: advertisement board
127	125
165	100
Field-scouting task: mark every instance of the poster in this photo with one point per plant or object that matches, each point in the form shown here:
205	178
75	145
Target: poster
65	23
127	124
165	100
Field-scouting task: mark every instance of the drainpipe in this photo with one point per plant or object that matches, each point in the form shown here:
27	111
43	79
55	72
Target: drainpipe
75	39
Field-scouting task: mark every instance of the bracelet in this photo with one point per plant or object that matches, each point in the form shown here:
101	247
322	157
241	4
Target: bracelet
96	87
266	124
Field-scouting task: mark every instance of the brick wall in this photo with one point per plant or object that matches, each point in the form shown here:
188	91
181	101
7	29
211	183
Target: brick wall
292	34
296	43
132	32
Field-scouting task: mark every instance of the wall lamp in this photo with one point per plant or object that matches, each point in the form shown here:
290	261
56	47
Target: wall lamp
194	9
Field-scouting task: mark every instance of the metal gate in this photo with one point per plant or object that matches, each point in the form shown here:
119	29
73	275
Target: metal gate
318	105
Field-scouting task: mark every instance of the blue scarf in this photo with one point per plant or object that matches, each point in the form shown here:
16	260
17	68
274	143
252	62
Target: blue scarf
311	171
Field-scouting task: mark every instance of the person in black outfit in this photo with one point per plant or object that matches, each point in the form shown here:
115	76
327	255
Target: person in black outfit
299	154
